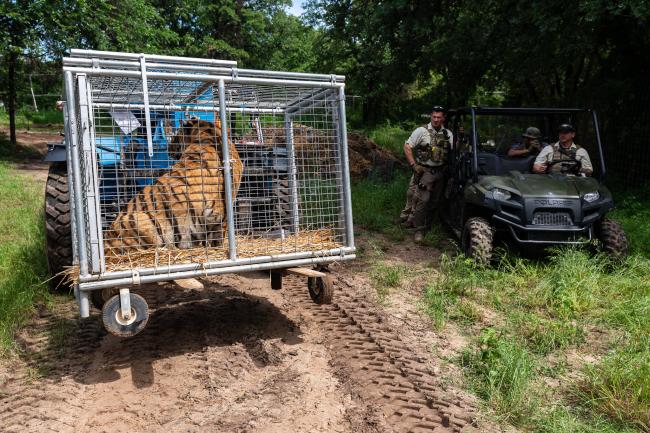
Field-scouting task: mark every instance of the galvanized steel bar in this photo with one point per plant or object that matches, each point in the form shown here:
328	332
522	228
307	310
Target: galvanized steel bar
103	62
347	210
75	52
145	100
76	175
225	149
90	181
293	183
96	285
201	77
201	108
332	255
68	160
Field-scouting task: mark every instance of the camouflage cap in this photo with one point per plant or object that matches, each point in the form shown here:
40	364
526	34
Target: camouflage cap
532	132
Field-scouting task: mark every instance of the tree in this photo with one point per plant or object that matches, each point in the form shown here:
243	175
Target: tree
18	29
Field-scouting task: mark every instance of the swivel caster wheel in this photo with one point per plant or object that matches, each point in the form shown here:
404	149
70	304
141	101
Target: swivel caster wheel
321	289
125	320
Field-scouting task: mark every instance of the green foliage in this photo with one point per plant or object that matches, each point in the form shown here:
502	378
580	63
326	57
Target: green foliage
543	336
551	305
23	268
386	277
501	372
376	205
390	137
619	385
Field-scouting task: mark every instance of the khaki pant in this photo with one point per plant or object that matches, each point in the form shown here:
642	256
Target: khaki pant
422	198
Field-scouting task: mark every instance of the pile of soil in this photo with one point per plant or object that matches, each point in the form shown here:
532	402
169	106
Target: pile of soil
367	158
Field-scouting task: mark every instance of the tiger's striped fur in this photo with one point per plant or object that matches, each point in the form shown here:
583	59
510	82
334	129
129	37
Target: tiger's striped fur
186	206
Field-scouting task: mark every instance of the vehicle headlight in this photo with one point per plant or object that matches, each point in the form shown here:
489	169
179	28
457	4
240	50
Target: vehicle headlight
592	196
501	194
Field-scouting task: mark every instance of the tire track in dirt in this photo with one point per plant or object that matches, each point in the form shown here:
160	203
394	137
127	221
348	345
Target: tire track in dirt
218	360
375	357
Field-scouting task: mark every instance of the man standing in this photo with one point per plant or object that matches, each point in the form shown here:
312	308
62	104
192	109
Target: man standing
564	155
530	144
426	152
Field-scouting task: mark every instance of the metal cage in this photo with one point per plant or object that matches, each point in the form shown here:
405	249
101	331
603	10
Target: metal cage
183	167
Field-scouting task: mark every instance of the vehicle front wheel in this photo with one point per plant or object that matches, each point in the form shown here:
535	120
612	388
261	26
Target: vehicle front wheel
612	238
477	240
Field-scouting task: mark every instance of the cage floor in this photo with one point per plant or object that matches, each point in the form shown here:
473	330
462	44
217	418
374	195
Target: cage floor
247	246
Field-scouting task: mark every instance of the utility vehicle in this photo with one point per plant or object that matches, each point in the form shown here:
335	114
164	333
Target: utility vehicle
490	195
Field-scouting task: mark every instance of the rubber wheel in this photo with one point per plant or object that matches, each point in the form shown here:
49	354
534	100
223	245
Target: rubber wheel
321	289
99	297
612	238
58	234
117	325
477	240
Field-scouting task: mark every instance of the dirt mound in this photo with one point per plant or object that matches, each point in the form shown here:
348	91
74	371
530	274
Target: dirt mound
366	157
314	145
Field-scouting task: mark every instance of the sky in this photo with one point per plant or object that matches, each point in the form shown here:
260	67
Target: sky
296	8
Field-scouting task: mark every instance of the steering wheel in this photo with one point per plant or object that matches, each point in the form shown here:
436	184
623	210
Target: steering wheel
571	165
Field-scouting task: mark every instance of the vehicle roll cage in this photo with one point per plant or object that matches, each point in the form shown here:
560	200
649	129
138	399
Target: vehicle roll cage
473	111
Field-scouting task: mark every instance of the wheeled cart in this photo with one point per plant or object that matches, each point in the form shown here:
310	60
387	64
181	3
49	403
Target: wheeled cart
179	168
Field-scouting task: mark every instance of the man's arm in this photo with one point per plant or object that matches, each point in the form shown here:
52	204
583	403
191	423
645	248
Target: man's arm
541	162
585	162
408	153
516	151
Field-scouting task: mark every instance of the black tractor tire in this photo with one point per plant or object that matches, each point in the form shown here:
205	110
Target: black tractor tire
612	239
477	240
58	234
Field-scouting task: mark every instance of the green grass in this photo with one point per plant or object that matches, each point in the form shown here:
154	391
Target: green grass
500	371
546	307
23	267
385	277
27	117
390	137
376	205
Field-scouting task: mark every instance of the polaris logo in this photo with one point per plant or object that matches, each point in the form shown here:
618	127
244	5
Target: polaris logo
552	202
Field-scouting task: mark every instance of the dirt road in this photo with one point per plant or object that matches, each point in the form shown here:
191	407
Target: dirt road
235	357
239	357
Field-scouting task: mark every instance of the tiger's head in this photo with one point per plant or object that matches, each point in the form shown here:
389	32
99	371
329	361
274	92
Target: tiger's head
195	131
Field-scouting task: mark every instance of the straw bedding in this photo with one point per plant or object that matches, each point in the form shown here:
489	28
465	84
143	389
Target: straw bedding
247	246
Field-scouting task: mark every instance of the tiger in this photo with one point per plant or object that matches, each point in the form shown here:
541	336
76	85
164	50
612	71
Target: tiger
185	207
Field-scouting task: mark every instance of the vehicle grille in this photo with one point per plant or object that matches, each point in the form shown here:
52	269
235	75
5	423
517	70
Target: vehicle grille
552	219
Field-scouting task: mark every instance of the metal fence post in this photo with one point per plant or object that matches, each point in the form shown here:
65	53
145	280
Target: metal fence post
76	175
90	178
230	217
293	182
347	193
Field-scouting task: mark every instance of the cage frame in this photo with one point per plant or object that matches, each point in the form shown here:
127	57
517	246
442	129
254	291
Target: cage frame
88	251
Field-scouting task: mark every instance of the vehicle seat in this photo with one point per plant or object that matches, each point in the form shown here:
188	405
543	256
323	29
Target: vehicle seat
523	165
488	163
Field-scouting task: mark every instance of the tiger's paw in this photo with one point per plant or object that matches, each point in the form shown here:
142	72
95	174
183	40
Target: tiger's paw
189	284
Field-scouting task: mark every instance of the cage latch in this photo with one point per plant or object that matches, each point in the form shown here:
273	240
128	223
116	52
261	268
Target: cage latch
145	98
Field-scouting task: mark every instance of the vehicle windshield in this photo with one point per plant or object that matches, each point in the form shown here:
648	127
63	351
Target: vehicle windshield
503	135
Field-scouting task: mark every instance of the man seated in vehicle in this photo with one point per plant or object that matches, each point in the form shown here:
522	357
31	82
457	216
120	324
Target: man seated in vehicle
530	144
564	156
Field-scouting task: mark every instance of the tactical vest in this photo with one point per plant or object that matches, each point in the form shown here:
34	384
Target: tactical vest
559	154
436	152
